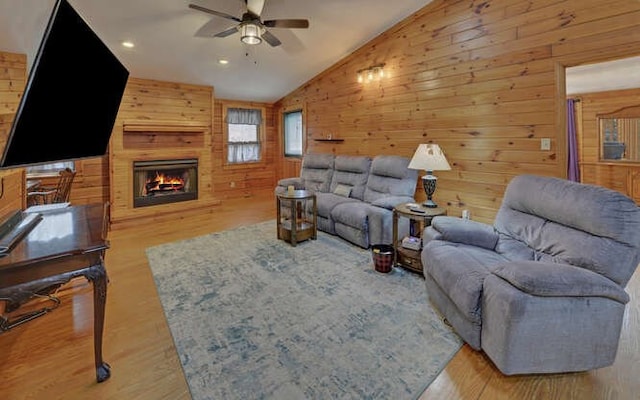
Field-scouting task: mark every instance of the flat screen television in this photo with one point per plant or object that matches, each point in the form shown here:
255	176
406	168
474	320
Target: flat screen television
72	96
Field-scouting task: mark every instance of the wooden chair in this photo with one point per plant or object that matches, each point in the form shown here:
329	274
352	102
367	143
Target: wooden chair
59	194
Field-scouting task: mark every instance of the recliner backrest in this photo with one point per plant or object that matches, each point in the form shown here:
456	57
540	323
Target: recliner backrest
351	171
390	175
316	171
556	220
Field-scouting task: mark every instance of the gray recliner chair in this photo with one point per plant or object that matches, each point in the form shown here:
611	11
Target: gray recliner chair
542	290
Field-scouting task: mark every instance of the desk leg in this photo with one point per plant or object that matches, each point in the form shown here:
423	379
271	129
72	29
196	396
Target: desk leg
98	275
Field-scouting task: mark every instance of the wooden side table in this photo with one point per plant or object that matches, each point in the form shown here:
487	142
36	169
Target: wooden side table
419	218
294	225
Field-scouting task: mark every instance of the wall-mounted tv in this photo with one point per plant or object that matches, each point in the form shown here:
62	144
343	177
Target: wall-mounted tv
72	96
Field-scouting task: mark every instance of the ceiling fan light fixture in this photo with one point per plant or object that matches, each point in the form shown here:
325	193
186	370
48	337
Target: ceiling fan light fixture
250	33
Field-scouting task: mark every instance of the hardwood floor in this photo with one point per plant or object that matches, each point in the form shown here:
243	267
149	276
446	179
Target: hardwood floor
52	357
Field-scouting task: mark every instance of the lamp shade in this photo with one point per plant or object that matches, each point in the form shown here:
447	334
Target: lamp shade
429	157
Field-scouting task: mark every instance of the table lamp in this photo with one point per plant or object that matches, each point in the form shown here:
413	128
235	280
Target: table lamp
429	157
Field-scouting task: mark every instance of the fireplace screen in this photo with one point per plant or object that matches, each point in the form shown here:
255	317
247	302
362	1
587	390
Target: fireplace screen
164	181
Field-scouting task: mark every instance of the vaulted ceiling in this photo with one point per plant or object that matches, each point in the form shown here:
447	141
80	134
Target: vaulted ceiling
169	46
174	42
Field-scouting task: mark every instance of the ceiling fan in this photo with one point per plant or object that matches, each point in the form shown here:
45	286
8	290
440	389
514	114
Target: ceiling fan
252	29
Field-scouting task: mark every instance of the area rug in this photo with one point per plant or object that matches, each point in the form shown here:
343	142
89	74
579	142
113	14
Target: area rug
253	317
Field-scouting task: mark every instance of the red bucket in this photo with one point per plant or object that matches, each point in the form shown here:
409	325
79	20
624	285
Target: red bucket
382	257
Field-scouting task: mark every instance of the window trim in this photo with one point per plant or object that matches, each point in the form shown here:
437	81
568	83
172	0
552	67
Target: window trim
262	136
303	109
284	133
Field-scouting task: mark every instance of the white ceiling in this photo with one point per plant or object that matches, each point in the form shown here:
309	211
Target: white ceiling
611	75
167	48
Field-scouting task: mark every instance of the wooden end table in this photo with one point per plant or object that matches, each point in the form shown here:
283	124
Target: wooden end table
294	225
419	218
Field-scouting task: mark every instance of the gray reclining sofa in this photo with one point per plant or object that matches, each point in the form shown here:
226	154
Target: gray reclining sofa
542	290
356	194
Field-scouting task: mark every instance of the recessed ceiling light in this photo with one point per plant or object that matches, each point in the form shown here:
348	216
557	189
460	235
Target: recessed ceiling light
223	61
128	44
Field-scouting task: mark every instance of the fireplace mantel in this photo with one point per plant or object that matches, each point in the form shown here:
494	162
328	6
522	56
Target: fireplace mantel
145	125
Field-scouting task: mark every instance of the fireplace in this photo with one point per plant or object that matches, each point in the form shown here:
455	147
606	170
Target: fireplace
164	181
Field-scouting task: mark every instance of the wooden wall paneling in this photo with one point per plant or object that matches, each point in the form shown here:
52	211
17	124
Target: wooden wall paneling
12	191
248	180
617	175
156	121
13	76
483	80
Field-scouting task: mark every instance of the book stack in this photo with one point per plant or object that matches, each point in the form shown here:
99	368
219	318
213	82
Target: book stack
411	242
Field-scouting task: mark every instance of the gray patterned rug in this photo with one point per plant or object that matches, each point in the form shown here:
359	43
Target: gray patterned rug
255	318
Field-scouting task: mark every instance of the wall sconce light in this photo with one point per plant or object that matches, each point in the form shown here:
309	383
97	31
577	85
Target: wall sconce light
371	73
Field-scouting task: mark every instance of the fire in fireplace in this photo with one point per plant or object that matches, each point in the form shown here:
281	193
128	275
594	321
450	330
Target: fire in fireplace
164	181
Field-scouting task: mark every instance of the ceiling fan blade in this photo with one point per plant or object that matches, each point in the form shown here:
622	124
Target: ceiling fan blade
255	6
209	29
287	23
226	33
271	39
218	13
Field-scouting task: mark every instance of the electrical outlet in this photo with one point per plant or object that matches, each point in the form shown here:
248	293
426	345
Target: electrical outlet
545	144
232	184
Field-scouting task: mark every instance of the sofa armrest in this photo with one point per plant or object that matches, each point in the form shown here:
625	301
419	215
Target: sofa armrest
559	280
297	183
390	202
458	230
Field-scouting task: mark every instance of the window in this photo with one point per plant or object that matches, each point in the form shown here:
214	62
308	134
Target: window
293	133
244	135
50	169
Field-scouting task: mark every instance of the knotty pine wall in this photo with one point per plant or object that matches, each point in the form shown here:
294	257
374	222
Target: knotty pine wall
12	81
483	79
161	103
620	176
164	112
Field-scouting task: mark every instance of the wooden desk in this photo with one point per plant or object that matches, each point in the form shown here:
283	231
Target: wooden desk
67	243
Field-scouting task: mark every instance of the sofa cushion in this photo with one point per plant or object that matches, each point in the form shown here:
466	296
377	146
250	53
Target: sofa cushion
351	222
351	214
460	271
325	202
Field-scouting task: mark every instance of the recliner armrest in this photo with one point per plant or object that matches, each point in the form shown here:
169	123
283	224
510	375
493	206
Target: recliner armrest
458	230
390	202
559	280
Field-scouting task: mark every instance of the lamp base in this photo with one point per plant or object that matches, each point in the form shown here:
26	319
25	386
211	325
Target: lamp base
429	204
429	184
